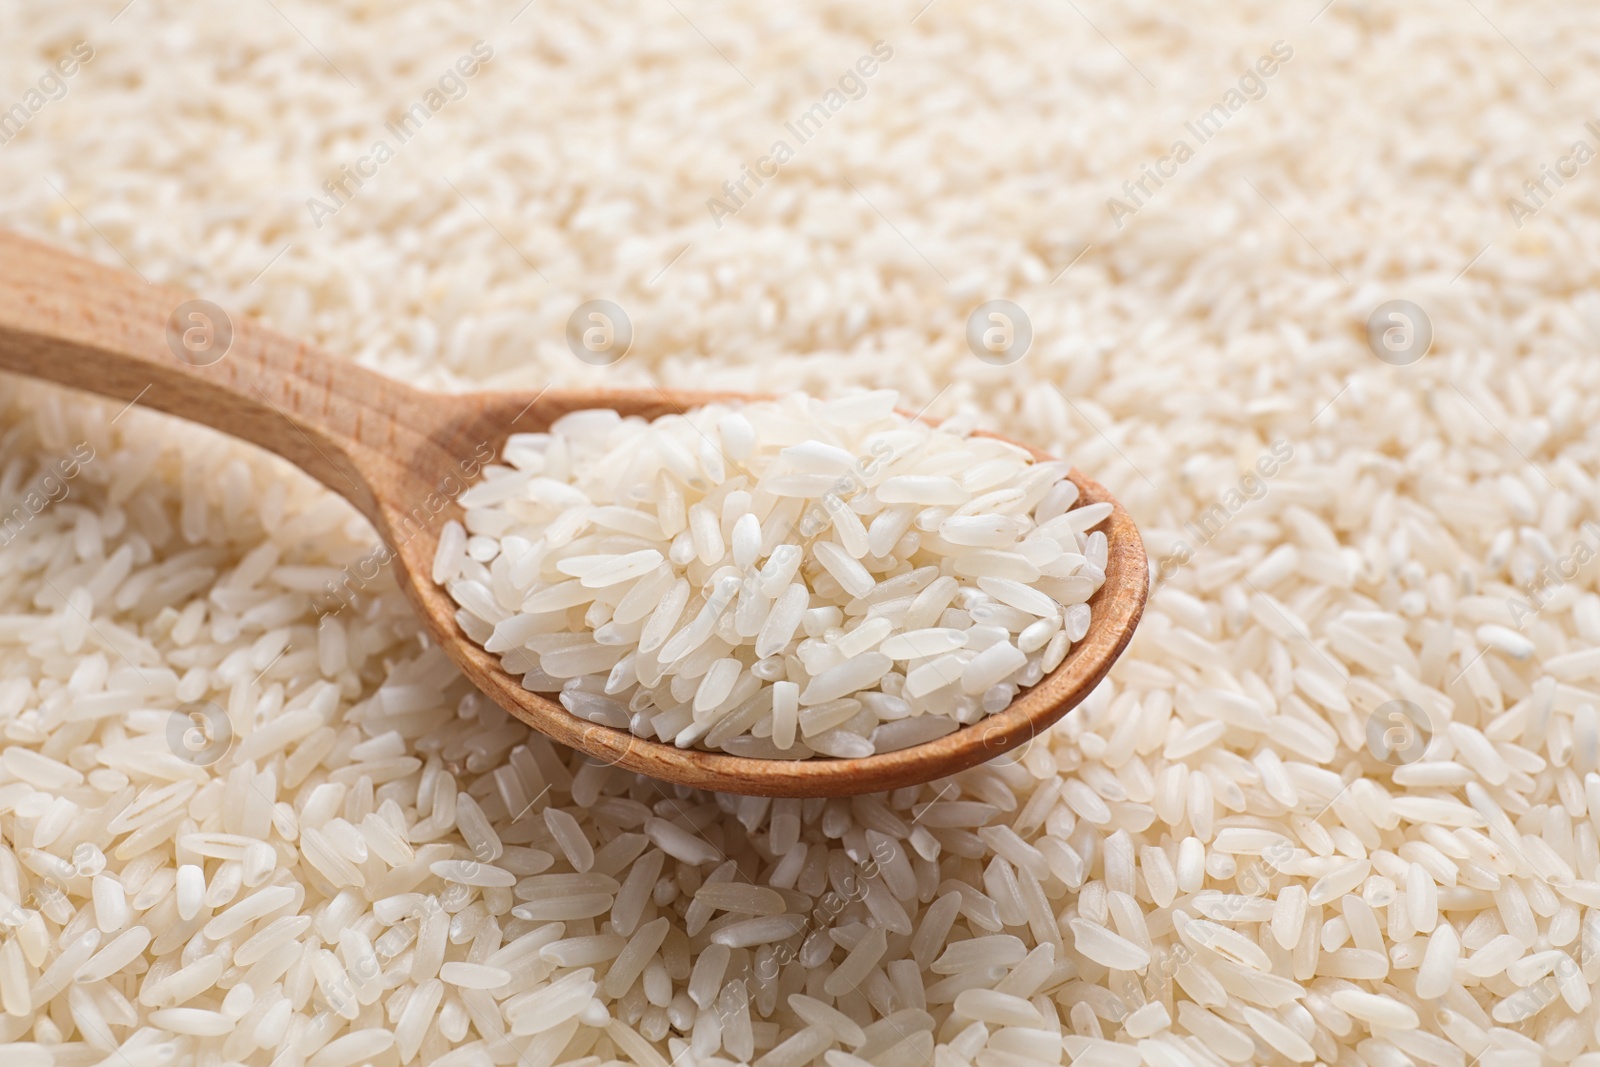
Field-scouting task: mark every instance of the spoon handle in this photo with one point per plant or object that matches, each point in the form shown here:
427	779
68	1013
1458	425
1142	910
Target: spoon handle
68	320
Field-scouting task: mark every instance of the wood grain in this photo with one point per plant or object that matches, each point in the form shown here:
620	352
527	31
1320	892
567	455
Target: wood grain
401	456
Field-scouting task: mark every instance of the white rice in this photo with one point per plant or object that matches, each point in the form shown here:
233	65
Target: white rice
1422	527
675	599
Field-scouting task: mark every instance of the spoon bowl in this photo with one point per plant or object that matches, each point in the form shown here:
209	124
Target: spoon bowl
401	457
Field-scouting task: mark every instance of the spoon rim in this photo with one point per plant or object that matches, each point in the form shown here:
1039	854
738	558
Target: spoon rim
1115	610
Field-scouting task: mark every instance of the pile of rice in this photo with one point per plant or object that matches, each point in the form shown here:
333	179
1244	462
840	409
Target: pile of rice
1338	801
775	579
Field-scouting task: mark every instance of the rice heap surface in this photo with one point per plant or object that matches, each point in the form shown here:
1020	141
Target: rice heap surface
775	579
1337	802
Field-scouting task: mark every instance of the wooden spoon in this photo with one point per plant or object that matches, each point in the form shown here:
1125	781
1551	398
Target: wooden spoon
401	456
